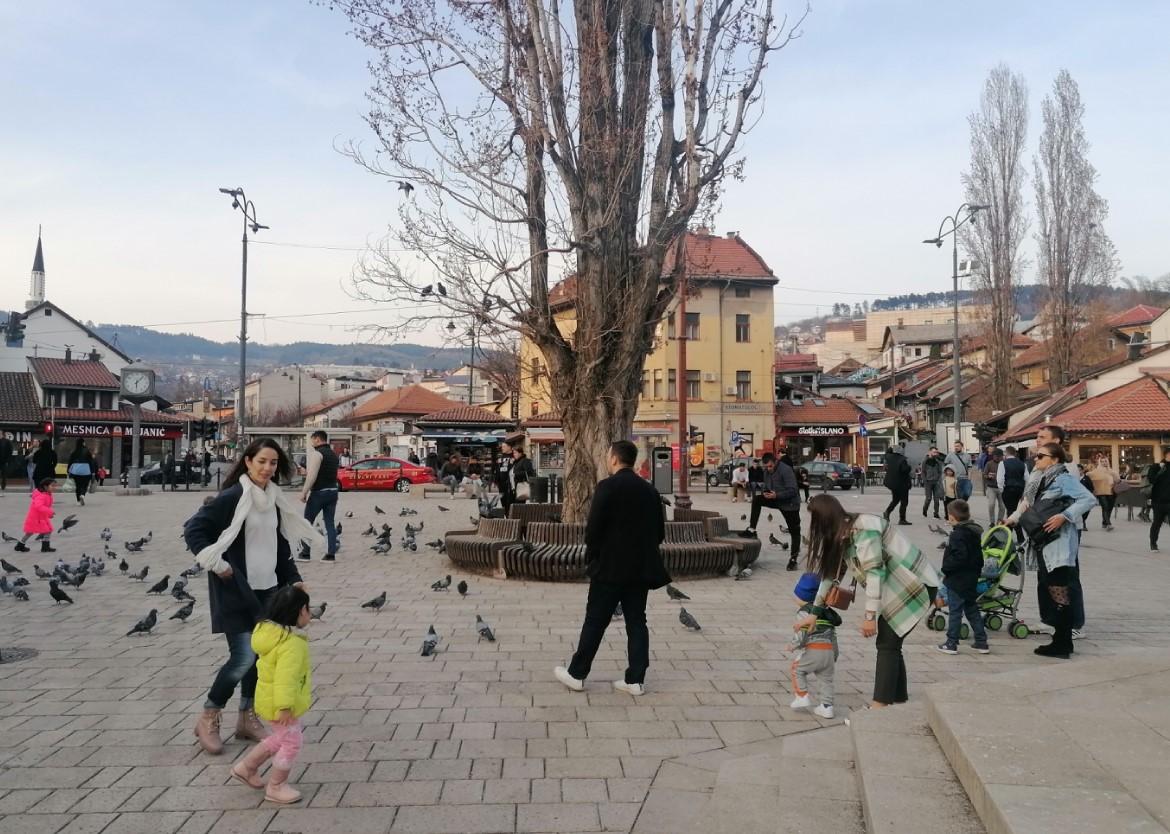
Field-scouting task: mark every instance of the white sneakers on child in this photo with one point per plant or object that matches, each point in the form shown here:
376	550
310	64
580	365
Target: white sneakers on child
823	710
801	701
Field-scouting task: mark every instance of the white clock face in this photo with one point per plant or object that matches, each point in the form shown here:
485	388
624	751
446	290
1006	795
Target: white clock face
137	383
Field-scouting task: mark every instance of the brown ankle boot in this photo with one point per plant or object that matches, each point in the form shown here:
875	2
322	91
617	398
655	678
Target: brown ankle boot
250	727
207	731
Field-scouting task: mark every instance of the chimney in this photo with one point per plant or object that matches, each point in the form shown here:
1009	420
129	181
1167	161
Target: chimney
900	320
733	235
68	355
94	356
703	231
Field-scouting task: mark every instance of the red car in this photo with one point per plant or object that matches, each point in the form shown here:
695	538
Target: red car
384	473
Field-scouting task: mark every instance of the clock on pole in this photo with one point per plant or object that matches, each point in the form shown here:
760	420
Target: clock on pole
138	383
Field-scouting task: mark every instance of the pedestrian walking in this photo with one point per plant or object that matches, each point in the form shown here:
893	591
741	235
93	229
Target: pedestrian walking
995	505
6	450
44	463
899	584
284	691
780	492
39	519
320	492
950	487
1010	478
521	472
932	471
206	467
189	462
960	461
30	467
627	523
242	537
1104	480
502	478
81	467
168	472
897	481
1158	476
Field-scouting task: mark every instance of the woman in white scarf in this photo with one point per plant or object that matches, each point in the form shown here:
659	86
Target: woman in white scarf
243	538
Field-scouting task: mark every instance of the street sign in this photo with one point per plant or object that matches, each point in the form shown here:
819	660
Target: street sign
734	439
863	431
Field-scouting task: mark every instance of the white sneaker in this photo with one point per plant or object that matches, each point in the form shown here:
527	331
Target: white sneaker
801	701
1078	633
629	688
562	674
823	710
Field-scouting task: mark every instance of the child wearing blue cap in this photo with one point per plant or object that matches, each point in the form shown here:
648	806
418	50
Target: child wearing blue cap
815	650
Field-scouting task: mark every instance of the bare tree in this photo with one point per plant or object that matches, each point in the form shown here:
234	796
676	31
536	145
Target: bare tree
999	130
500	365
1076	254
529	141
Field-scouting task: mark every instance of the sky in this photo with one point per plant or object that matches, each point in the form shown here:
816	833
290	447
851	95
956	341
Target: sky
120	120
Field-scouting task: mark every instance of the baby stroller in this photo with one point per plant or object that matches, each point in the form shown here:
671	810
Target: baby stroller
1000	587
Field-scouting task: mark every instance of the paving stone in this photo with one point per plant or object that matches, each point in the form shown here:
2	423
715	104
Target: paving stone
35	823
557	817
391	793
227	798
583	767
349	820
87	824
243	822
152	823
455	819
513	791
584	790
337	772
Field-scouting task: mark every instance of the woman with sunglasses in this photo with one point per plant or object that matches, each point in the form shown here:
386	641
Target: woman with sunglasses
1058	557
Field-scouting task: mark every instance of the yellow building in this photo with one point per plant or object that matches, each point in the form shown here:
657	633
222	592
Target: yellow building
729	379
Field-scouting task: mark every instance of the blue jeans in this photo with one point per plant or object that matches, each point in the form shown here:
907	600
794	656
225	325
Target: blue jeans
324	501
240	669
956	608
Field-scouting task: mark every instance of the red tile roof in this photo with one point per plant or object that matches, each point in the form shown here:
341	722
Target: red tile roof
321	408
18	399
411	400
796	362
465	414
835	411
1137	315
547	420
76	373
1140	406
124	415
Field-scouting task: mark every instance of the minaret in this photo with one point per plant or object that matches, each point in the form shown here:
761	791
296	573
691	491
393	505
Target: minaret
36	281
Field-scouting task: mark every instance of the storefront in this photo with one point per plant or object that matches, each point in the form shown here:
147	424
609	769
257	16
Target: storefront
837	429
546	442
474	433
109	436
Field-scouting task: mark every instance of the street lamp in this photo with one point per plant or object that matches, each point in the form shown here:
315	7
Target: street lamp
957	221
248	209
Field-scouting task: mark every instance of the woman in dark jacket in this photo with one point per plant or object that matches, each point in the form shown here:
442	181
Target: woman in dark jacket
242	537
521	470
44	461
81	469
503	481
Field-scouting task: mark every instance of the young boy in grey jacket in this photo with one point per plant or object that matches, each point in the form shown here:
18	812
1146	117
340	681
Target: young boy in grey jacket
815	651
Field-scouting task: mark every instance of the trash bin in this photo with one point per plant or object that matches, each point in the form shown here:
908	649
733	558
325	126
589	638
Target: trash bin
538	489
663	469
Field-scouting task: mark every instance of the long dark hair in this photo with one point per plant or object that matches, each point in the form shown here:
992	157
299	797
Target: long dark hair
284	467
284	606
828	536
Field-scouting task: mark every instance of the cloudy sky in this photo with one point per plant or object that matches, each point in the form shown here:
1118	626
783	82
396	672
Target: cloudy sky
122	118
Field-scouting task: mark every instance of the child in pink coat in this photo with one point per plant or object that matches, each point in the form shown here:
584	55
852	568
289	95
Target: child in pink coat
39	521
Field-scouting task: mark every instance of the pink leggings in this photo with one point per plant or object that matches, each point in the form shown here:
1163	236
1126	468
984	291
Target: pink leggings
284	743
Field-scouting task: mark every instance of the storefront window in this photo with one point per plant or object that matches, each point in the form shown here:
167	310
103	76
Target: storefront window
877	450
1087	455
552	455
1135	458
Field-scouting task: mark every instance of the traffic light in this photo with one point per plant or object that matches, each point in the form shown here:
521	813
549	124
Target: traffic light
48	427
14	330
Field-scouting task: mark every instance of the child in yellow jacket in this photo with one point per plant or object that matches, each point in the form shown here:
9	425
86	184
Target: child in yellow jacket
283	693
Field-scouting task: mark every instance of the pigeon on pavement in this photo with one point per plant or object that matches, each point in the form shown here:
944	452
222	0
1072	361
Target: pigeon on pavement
123	566
57	594
9	567
183	613
618	613
484	630
4	536
144	625
160	587
675	593
772	540
430	643
687	620
443	509
141	575
316	611
369	531
40	573
461	588
106	534
442	584
68	522
746	573
376	603
378	510
349	514
20	594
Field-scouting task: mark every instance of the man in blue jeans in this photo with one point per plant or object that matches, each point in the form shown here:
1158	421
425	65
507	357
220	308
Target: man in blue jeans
320	491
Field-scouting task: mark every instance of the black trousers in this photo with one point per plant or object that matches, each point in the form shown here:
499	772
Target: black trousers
1011	496
1160	514
602	602
889	682
1057	592
1106	502
901	497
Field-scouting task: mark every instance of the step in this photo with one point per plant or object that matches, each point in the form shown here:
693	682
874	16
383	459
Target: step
1067	746
906	784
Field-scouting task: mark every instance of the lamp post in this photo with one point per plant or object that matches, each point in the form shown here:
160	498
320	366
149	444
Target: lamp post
248	209
957	221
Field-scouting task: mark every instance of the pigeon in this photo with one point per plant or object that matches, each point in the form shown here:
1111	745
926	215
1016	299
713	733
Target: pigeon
179	592
76	581
769	518
743	517
160	587
474	521
4	586
57	594
461	588
407	187
110	554
382	548
337	529
942	531
192	571
317	611
144	625
133	547
430	643
378	510
20	594
369	531
7	537
141	575
303	553
149	536
675	593
772	540
376	603
41	574
443	509
436	544
425	291
665	501
106	534
484	630
183	613
442	584
745	573
9	567
687	620
618	613
442	290
21	582
123	566
68	522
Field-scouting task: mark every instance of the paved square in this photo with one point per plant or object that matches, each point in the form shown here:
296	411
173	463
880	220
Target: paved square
95	732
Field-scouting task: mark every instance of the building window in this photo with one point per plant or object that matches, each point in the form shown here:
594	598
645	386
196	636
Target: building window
917	352
1026	379
536	370
692	329
694	390
71	399
743	292
89	399
743	328
645	384
1112	344
671	385
106	399
657	383
1045	374
535	408
1135	459
670	326
743	386
552	455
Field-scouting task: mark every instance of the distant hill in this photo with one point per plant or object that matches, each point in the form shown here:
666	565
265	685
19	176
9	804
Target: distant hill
179	348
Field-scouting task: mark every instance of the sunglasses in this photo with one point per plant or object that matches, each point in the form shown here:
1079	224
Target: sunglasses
1043	455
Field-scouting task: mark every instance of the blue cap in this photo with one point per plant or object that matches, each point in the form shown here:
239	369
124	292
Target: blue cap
806	587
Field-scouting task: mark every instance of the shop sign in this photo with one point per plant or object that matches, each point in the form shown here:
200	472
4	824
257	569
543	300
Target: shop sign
17	435
116	430
822	431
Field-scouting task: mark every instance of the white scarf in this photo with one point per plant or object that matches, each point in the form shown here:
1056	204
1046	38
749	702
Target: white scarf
293	525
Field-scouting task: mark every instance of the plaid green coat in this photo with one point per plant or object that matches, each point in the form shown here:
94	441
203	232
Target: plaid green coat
893	571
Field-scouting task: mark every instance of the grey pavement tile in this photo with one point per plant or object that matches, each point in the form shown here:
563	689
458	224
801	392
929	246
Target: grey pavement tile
558	817
349	820
152	823
456	819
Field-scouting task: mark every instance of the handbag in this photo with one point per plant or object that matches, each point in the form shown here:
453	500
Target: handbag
838	596
964	488
523	491
80	469
1032	520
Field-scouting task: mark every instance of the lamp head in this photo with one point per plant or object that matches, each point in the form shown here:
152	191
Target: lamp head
937	241
450	327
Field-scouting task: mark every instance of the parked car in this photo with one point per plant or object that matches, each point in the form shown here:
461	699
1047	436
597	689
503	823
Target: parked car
829	474
720	475
153	474
384	473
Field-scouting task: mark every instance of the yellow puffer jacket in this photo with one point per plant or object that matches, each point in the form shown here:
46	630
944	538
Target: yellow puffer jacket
284	678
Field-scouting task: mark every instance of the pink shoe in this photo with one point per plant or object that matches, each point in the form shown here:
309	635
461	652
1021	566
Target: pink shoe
241	774
282	793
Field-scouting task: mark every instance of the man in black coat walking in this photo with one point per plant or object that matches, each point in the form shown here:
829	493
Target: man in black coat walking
627	522
897	482
1158	476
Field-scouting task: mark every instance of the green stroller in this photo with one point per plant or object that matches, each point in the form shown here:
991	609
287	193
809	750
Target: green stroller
1001	585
